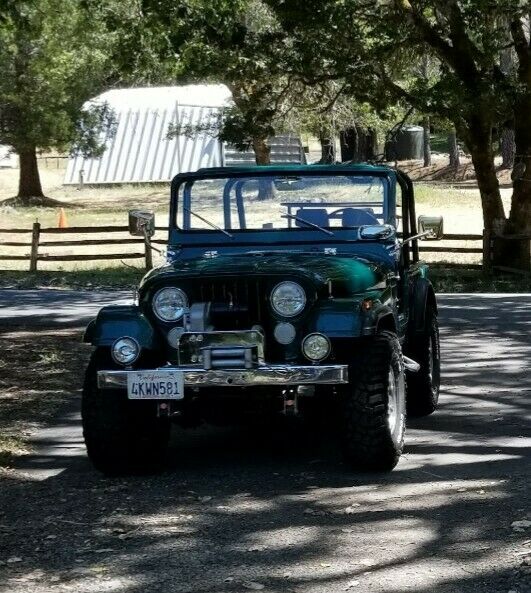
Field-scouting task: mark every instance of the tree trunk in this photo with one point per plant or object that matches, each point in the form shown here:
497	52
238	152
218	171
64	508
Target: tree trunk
328	150
262	155
453	149
29	185
427	141
507	147
519	223
372	145
479	144
350	145
262	151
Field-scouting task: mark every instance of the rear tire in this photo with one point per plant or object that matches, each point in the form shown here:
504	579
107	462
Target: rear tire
375	406
121	436
423	386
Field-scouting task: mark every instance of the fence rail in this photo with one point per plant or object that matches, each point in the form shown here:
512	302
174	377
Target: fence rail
37	244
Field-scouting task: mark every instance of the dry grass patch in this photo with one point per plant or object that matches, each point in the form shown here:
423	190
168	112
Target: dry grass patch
39	370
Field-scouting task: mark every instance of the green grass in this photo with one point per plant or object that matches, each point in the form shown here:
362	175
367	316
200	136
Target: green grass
463	279
93	279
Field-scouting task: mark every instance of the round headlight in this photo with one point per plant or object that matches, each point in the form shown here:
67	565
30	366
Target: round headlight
169	304
125	350
288	299
316	347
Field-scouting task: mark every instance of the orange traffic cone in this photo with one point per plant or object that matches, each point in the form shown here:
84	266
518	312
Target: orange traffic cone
62	224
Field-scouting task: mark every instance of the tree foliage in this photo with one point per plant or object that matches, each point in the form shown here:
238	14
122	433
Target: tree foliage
373	45
238	43
54	56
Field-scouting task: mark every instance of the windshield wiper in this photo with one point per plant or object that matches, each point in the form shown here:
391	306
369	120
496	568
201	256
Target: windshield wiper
316	226
210	224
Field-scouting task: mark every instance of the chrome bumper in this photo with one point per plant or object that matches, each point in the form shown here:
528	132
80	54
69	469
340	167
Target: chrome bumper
263	375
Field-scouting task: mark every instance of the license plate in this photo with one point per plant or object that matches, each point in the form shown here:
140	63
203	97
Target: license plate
155	385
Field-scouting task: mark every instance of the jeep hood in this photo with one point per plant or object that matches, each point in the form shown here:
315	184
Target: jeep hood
353	274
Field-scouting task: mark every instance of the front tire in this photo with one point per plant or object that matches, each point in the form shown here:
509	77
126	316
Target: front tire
375	406
423	386
121	436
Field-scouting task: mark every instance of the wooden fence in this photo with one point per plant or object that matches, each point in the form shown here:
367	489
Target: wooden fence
59	240
37	242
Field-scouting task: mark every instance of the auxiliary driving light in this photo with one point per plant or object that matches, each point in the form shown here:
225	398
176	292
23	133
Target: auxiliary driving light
125	350
316	347
174	335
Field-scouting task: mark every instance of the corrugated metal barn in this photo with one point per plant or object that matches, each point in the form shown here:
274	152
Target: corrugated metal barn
140	150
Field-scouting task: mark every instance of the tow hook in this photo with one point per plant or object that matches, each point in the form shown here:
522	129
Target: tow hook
163	410
290	402
410	364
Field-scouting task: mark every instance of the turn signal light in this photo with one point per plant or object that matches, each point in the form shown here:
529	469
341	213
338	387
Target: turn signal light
366	304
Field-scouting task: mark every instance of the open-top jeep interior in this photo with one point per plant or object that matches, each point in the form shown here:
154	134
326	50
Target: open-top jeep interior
283	202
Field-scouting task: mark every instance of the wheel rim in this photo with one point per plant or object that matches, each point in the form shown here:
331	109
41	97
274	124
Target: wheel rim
433	370
392	400
431	361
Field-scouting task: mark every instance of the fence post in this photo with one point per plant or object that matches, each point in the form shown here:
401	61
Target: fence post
487	251
35	235
148	254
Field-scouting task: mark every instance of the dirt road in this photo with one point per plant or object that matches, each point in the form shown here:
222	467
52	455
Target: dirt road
276	510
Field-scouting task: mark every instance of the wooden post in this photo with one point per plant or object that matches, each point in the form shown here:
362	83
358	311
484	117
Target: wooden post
148	254
35	235
487	251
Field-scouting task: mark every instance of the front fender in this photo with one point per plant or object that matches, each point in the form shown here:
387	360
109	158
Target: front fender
344	318
337	319
117	321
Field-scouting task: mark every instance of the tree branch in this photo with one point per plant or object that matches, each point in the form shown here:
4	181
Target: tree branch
333	100
522	49
459	55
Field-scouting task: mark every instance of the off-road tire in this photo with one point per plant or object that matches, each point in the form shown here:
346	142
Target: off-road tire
423	386
368	441
121	436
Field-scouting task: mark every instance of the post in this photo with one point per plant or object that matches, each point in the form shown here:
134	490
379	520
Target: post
148	254
487	251
35	235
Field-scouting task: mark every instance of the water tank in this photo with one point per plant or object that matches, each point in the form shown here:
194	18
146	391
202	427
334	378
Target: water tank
406	145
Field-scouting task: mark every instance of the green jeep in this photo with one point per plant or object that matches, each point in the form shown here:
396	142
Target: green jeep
287	289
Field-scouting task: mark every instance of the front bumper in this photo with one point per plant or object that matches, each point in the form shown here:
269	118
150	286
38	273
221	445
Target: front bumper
263	375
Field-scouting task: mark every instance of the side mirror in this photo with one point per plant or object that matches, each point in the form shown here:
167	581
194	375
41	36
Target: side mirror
141	223
434	224
375	232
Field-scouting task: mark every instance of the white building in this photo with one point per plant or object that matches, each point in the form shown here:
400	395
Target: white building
8	159
140	150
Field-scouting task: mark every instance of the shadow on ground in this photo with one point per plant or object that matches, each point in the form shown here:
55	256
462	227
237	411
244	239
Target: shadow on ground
243	509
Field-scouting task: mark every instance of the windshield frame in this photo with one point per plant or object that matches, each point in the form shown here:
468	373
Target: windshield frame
212	237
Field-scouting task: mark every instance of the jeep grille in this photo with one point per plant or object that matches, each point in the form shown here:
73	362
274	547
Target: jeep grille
236	303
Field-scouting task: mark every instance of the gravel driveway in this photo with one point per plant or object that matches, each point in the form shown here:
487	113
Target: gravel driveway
242	510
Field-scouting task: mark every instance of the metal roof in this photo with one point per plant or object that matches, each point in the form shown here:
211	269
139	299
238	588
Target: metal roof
140	150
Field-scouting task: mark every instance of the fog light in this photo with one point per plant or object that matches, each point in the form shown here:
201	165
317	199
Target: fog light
284	333
174	335
316	347
125	350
